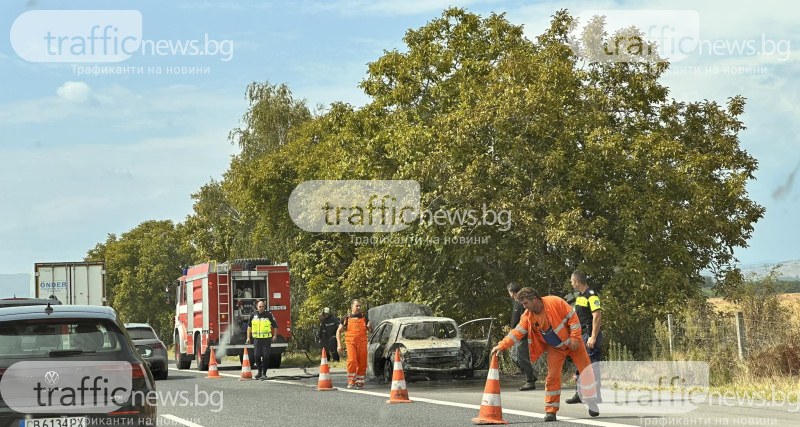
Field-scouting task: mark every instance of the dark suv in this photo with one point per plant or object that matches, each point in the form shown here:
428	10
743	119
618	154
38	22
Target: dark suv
71	365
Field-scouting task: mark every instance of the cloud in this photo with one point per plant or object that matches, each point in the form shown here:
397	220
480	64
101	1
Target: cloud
77	92
121	107
68	198
385	7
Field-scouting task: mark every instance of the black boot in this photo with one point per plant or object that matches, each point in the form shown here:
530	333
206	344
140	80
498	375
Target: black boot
574	399
550	416
528	386
593	409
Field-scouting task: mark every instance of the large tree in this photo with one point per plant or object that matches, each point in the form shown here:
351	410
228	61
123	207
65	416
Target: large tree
142	266
599	168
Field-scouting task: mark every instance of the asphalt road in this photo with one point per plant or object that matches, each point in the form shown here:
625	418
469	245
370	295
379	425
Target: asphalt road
290	398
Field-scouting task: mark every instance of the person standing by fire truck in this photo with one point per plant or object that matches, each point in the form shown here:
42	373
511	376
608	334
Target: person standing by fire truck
262	328
356	327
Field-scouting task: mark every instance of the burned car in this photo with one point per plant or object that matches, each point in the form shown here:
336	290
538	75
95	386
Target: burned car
430	346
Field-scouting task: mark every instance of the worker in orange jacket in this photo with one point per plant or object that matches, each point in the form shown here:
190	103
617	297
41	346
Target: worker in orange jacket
552	326
356	326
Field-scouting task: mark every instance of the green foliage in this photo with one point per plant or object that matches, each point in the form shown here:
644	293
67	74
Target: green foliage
598	167
619	353
141	268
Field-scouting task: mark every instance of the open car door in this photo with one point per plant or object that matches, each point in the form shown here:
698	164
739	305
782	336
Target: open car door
475	335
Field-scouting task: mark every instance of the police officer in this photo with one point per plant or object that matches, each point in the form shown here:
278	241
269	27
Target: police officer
262	328
590	313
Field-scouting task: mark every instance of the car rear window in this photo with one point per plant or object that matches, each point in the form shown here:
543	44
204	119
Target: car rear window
141	333
58	337
427	330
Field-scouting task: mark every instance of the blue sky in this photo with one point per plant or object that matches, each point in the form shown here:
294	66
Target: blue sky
83	155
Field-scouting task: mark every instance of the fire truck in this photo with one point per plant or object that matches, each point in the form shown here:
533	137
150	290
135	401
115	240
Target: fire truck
214	305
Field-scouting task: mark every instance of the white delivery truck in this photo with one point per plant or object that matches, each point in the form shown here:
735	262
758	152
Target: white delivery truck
71	283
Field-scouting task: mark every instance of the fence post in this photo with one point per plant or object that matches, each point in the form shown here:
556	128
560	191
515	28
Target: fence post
669	328
740	335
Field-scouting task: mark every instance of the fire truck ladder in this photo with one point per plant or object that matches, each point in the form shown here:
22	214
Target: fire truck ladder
223	301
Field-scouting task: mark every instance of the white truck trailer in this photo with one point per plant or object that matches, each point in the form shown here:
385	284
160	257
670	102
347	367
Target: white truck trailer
71	282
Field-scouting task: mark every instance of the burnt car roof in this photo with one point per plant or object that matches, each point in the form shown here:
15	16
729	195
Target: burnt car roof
59	312
415	319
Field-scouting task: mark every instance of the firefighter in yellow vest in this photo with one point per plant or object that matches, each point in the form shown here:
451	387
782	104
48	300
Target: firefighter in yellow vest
356	326
262	328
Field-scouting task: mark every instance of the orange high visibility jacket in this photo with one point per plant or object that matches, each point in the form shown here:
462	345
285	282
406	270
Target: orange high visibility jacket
562	319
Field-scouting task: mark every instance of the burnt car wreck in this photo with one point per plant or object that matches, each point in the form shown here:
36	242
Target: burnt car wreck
431	347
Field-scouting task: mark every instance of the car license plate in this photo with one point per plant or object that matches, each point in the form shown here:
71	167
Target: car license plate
54	422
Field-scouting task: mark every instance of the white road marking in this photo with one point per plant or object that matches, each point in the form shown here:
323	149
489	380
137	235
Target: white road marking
585	421
180	420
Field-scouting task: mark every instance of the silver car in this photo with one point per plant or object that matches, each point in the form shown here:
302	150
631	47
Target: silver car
150	347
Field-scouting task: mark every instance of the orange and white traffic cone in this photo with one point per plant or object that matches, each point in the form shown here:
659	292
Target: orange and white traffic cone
213	372
491	410
324	383
399	392
247	374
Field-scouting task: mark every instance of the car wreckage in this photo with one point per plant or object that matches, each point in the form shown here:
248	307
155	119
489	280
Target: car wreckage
432	347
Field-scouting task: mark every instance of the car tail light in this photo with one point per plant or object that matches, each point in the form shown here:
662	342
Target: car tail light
117	413
137	370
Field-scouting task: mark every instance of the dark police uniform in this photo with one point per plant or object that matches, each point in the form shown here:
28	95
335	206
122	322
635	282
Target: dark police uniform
262	328
587	303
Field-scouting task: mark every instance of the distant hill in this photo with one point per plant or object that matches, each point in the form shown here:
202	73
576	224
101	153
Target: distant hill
15	284
787	270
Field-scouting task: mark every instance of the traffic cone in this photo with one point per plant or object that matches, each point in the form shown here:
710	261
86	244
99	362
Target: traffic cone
213	372
324	383
247	374
399	392
491	410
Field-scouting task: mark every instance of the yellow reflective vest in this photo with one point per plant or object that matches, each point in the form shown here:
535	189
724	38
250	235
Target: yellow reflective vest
261	327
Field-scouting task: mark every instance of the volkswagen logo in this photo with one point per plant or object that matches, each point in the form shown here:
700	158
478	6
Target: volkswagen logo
51	378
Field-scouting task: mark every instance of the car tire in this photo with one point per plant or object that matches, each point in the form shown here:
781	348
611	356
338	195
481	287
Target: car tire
161	375
388	370
467	374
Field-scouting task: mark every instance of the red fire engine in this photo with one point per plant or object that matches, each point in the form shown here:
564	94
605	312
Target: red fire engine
214	305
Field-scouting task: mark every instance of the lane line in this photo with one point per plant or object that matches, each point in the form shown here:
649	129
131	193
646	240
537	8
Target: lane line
591	422
180	420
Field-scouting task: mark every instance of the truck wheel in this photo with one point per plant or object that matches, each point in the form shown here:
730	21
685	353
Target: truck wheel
202	359
274	361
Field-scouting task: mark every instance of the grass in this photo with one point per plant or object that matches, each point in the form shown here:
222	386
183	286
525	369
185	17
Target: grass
770	372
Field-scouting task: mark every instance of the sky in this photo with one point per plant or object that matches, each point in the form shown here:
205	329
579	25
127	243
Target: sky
86	153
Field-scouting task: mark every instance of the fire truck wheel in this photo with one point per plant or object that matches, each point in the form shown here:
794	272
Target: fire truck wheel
181	362
202	359
274	361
